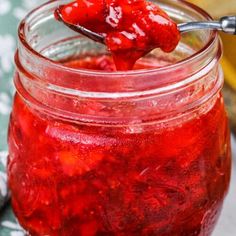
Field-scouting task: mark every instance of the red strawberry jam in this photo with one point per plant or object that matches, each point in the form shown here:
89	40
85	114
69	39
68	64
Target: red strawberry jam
132	27
73	179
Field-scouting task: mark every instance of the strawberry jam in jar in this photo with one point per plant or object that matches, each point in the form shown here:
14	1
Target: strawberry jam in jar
99	152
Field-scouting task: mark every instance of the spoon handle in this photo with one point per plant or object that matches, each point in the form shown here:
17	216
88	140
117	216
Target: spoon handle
226	24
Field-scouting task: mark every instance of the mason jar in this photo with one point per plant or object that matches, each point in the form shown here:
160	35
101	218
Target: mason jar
95	152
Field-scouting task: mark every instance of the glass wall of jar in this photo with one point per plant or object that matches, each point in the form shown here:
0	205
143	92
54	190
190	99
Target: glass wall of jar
93	152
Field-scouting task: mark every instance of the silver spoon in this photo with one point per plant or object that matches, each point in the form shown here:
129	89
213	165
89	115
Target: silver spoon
226	24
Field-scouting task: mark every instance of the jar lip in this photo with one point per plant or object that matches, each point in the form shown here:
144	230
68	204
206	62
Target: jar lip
178	64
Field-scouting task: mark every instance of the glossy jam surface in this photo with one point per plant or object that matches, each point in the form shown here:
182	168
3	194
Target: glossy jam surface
132	27
72	179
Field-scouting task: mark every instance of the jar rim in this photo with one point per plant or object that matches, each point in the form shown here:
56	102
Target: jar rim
181	63
49	86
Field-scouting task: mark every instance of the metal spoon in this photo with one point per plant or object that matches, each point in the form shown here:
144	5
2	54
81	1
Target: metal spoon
226	24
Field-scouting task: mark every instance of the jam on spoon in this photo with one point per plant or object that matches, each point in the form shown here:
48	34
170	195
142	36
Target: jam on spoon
132	28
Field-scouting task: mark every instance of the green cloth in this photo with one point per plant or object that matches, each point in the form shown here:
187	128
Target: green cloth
10	14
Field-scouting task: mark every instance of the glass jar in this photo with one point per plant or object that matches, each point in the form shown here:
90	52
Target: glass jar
141	152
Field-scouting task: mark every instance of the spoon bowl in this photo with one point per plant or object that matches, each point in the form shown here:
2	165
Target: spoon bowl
226	24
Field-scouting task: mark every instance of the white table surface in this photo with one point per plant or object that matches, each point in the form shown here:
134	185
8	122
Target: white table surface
227	223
